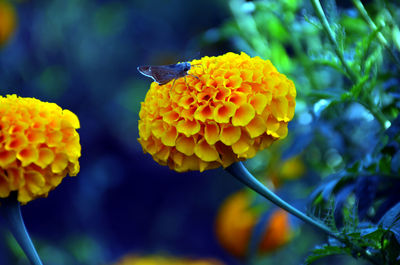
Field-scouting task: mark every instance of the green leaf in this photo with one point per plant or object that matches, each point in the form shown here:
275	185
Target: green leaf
326	250
396	37
356	89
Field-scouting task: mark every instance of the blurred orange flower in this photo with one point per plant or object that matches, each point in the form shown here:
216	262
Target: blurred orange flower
224	111
282	171
8	21
39	146
235	223
164	260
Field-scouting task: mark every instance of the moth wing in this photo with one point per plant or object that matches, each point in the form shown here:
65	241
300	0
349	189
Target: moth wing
162	74
144	70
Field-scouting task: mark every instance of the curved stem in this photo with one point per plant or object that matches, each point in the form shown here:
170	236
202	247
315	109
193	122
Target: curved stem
239	171
243	175
11	212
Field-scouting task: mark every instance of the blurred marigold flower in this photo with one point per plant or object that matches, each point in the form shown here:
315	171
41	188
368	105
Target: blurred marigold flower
163	260
236	221
235	107
293	168
39	146
290	169
8	21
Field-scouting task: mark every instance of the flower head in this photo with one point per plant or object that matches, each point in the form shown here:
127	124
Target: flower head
236	222
164	260
39	146
226	109
8	21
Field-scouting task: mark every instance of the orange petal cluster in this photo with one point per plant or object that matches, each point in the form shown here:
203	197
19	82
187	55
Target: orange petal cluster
39	146
164	260
226	109
236	221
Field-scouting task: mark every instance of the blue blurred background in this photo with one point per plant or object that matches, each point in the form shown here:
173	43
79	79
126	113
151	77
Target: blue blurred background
82	55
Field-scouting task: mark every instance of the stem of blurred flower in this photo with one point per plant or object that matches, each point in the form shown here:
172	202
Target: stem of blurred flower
331	35
11	212
239	171
381	38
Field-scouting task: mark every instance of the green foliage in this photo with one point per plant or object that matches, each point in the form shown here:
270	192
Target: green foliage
326	250
339	58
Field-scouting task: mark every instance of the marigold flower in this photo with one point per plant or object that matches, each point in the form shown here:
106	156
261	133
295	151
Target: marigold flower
236	221
226	109
164	260
39	146
8	21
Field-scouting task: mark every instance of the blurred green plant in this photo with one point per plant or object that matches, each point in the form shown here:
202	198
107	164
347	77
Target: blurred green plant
345	64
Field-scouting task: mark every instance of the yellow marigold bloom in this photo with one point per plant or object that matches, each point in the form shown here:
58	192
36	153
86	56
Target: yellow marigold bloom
227	109
236	221
8	21
39	146
163	260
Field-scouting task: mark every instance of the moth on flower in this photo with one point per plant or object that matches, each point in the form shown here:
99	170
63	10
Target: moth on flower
163	74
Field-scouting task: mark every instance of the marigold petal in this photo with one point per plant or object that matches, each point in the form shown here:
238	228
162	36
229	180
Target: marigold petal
34	181
60	163
238	98
188	127
223	112
256	127
36	137
27	155
4	189
243	115
171	117
242	145
17	142
259	101
163	154
230	134
169	137
204	112
46	157
158	128
71	119
211	133
272	126
280	109
185	145
54	138
205	151
15	177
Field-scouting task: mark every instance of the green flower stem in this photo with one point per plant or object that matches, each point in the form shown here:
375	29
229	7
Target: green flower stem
239	171
11	212
331	35
381	38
